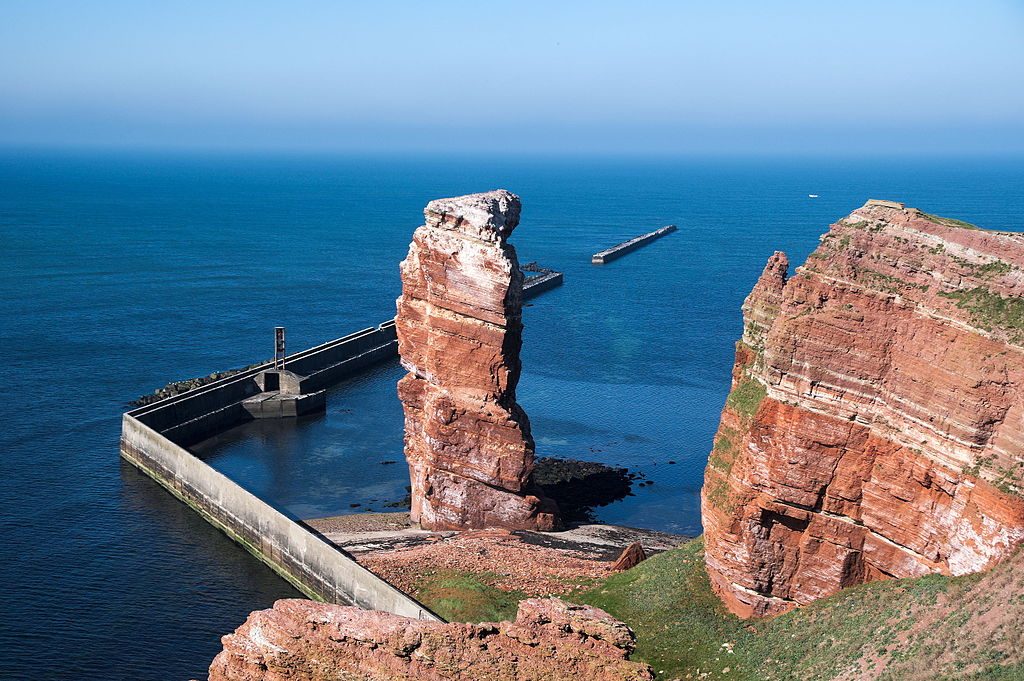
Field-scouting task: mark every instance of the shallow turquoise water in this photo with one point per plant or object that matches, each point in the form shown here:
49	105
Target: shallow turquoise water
124	272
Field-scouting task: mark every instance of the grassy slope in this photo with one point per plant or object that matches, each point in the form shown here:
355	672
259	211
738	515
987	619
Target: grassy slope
928	629
911	629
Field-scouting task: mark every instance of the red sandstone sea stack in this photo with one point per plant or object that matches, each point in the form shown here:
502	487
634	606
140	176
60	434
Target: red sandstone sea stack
876	424
459	326
300	640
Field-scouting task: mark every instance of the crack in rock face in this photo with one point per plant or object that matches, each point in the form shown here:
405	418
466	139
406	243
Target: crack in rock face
875	428
459	324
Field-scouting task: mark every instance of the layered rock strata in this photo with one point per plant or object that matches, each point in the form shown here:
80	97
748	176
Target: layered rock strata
301	640
875	426
459	326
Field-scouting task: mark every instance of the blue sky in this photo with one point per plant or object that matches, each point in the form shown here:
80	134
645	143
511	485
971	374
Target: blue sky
726	76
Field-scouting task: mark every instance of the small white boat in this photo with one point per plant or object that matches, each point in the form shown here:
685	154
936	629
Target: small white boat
812	196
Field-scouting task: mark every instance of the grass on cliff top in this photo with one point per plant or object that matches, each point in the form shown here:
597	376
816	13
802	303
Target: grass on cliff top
973	626
949	222
933	628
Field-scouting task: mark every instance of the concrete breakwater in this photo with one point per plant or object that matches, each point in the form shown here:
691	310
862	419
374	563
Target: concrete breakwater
314	566
619	250
543	280
539	283
154	437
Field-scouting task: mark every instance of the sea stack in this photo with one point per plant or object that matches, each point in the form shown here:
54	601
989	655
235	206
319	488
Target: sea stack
875	426
459	326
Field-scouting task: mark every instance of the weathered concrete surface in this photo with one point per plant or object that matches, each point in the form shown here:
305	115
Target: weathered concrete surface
311	564
876	423
459	325
275	405
619	250
551	640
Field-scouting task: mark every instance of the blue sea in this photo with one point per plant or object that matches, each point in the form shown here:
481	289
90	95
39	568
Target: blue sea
125	271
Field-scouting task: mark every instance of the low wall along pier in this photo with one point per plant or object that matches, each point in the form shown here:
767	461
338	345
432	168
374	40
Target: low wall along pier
154	437
625	247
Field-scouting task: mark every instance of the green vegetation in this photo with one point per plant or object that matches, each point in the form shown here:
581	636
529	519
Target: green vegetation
682	628
987	270
927	629
681	625
467	597
723	454
994	268
887	282
991	311
949	222
746	397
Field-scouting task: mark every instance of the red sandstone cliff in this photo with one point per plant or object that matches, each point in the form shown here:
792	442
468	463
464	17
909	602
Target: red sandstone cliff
300	640
876	423
459	326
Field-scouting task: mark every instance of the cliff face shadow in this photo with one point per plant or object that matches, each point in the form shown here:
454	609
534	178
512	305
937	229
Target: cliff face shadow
578	487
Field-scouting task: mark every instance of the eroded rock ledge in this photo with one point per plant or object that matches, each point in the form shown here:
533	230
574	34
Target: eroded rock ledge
459	326
876	423
301	640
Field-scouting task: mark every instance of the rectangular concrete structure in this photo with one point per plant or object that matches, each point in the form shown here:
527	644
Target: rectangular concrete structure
152	437
314	566
625	247
539	284
276	405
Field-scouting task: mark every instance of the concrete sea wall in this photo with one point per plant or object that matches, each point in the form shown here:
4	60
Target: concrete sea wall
314	566
152	438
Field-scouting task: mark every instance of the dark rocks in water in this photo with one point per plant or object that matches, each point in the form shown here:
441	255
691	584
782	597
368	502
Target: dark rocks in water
630	556
178	387
578	487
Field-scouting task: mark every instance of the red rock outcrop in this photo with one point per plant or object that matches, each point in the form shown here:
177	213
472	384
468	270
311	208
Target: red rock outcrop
631	556
459	326
300	640
876	423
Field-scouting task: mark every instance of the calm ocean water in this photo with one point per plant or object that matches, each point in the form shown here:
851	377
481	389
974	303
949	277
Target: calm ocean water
127	271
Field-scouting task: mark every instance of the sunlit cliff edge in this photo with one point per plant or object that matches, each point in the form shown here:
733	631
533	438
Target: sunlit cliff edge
875	428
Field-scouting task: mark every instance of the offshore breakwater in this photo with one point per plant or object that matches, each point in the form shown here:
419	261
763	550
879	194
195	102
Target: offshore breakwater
154	437
619	250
